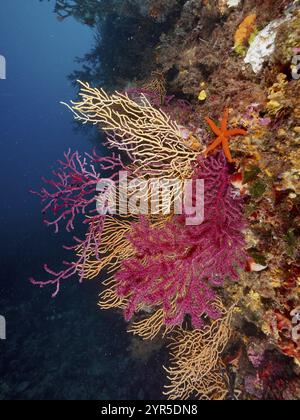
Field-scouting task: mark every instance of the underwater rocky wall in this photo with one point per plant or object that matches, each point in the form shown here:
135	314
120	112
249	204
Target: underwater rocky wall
227	73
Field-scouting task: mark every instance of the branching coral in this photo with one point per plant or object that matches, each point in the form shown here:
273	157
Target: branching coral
167	277
90	244
160	268
150	138
148	135
151	326
178	109
175	267
71	193
113	248
196	368
72	190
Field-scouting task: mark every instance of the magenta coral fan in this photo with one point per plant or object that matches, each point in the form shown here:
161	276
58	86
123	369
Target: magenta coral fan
176	267
72	192
92	241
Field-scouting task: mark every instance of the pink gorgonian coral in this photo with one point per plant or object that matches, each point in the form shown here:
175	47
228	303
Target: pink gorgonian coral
73	192
177	267
91	241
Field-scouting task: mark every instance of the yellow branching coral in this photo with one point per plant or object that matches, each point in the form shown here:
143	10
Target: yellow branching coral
109	298
114	248
150	327
244	34
196	367
152	140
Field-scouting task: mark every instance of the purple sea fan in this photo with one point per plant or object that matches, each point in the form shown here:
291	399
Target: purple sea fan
219	239
176	267
72	190
70	193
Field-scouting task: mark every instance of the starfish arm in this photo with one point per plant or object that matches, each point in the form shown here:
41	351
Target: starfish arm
213	146
236	132
213	126
223	135
224	122
226	150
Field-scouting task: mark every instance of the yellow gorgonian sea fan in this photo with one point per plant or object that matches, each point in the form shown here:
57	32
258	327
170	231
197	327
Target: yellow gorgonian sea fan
114	248
196	366
152	140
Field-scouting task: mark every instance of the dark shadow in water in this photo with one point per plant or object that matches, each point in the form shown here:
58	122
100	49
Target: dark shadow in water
67	348
63	348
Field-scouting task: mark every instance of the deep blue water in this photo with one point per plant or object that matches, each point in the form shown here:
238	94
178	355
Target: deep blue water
66	347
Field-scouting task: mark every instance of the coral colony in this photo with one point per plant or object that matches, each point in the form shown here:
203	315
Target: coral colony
220	286
168	266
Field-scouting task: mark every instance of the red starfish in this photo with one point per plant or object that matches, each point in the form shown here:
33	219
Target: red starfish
223	135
